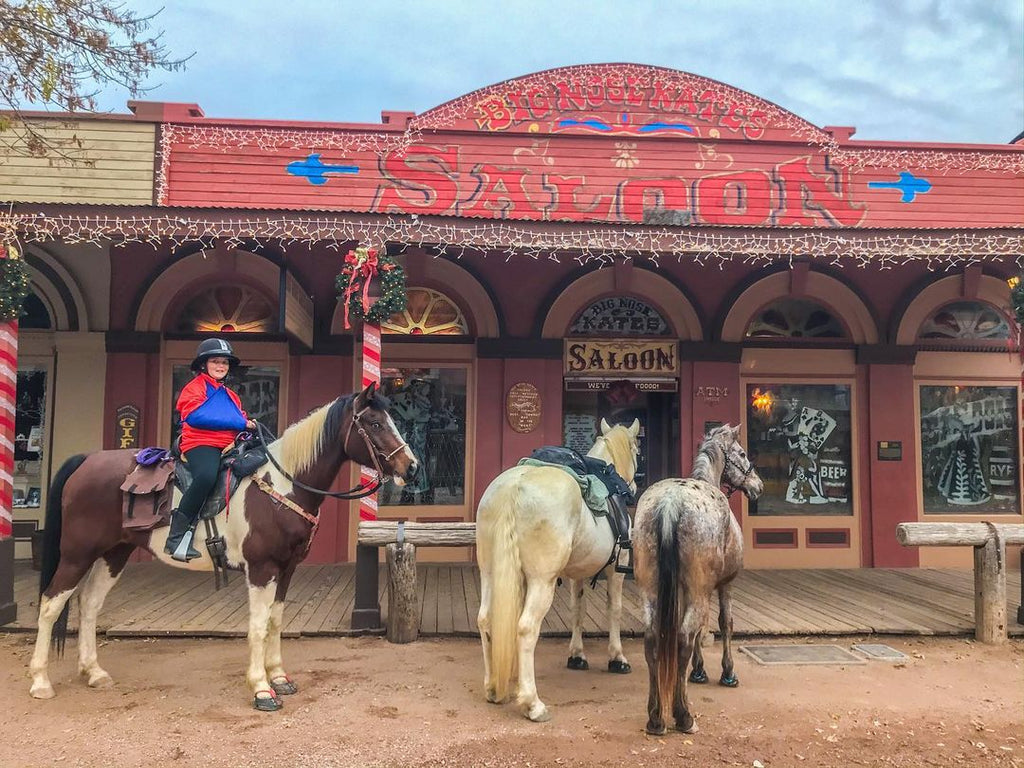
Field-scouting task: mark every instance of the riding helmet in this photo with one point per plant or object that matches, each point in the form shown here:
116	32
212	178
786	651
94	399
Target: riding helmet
213	348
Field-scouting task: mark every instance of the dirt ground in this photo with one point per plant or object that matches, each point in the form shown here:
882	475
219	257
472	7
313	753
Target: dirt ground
363	702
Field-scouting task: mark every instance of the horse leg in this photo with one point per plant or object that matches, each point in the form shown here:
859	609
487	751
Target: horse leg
693	621
98	582
279	680
655	723
483	623
62	585
616	659
577	658
725	627
260	601
539	594
698	674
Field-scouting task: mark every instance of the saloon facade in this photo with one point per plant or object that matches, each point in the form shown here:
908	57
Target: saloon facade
610	241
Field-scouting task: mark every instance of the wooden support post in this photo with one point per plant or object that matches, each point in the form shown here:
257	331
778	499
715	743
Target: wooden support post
990	592
403	604
366	609
8	392
1020	607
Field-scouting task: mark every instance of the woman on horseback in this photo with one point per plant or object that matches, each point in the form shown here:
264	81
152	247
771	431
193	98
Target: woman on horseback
211	417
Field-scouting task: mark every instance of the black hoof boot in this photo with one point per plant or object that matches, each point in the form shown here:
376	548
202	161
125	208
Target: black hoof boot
698	677
729	682
577	662
619	667
285	687
267	704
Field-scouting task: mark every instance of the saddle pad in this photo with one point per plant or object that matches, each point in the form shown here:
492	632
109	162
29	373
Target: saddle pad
595	492
146	497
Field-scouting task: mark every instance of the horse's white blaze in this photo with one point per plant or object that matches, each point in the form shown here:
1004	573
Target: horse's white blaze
406	451
49	610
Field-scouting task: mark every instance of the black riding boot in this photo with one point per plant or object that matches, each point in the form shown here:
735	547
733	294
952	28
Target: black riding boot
179	540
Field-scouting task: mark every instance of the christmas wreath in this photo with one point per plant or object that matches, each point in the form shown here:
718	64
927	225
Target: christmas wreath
1017	299
362	267
14	284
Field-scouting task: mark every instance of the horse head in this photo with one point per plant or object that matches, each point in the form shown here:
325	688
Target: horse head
623	445
382	445
738	471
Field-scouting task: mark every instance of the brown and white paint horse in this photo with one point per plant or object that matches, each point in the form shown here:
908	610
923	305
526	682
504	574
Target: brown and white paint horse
85	547
688	544
532	527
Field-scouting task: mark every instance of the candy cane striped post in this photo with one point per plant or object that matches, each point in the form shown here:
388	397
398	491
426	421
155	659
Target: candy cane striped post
8	397
371	375
366	609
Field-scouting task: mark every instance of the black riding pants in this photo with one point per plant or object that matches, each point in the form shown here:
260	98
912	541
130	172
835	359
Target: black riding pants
203	461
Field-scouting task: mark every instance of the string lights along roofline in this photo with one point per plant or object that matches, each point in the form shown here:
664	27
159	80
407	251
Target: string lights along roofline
457	238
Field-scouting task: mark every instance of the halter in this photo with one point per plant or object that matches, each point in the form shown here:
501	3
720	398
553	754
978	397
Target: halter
357	492
725	481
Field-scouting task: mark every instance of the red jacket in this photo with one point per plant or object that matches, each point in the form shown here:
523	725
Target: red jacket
211	414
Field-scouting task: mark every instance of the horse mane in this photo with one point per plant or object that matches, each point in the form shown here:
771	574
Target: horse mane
618	446
304	441
704	462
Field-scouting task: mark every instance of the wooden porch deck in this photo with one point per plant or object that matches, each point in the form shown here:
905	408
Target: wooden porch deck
152	600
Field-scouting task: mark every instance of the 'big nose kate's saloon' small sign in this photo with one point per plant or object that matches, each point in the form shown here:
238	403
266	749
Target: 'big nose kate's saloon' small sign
626	358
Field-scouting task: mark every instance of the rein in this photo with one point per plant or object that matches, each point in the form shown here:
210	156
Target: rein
357	492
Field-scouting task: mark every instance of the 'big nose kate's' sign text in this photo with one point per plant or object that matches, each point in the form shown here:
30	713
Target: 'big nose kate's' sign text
627	358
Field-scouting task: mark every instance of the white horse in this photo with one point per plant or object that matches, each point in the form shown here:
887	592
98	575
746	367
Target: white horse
533	526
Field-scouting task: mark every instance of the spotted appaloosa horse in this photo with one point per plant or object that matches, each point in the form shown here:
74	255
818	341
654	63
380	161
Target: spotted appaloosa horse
532	527
686	540
85	547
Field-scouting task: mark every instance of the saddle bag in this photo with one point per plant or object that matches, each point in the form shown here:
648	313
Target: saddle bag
146	491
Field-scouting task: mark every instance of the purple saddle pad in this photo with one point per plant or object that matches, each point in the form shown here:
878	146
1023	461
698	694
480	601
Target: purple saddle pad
149	457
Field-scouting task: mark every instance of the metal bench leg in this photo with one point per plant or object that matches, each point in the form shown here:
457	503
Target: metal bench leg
366	610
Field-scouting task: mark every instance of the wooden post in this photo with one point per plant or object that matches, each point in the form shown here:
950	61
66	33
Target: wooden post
990	592
403	604
8	397
1020	607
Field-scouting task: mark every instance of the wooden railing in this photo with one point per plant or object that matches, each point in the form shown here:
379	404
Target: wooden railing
989	541
400	541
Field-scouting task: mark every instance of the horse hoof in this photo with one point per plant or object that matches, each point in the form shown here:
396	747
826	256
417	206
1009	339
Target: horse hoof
619	667
577	662
698	677
655	730
284	686
691	727
42	692
729	682
102	681
540	716
267	704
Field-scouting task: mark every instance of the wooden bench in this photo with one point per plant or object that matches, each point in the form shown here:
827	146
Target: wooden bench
989	541
400	541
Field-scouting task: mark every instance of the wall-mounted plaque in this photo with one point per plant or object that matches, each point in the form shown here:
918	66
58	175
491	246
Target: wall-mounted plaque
890	450
522	407
127	429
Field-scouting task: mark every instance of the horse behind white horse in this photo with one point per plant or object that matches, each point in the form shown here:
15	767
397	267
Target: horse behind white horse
533	526
687	544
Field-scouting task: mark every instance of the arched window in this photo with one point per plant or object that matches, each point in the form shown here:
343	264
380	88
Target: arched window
795	319
427	313
36	316
228	309
966	320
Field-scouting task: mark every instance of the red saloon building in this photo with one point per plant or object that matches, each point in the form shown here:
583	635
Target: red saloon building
600	241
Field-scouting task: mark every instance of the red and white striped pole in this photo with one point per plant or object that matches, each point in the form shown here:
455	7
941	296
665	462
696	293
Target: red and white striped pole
371	375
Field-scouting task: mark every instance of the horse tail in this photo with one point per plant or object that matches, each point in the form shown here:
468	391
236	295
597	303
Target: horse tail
51	543
666	623
506	591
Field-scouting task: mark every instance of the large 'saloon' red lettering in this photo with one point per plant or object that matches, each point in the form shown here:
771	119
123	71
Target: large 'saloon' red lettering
734	198
810	200
422	180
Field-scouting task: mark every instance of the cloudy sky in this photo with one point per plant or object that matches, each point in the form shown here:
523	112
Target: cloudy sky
919	70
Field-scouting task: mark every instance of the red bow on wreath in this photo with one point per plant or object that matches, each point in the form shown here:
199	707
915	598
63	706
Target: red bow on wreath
360	265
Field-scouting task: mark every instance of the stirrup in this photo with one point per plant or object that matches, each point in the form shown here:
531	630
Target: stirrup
628	567
185	551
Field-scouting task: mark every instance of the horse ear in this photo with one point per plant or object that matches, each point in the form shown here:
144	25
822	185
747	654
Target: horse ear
367	394
605	429
736	432
634	429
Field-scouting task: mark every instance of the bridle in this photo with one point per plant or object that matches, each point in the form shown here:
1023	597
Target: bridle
746	473
376	455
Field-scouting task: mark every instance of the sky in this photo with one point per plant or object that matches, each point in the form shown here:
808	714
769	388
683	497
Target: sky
899	70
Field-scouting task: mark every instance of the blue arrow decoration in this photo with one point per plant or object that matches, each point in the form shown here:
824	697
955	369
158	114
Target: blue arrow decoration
909	184
315	172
